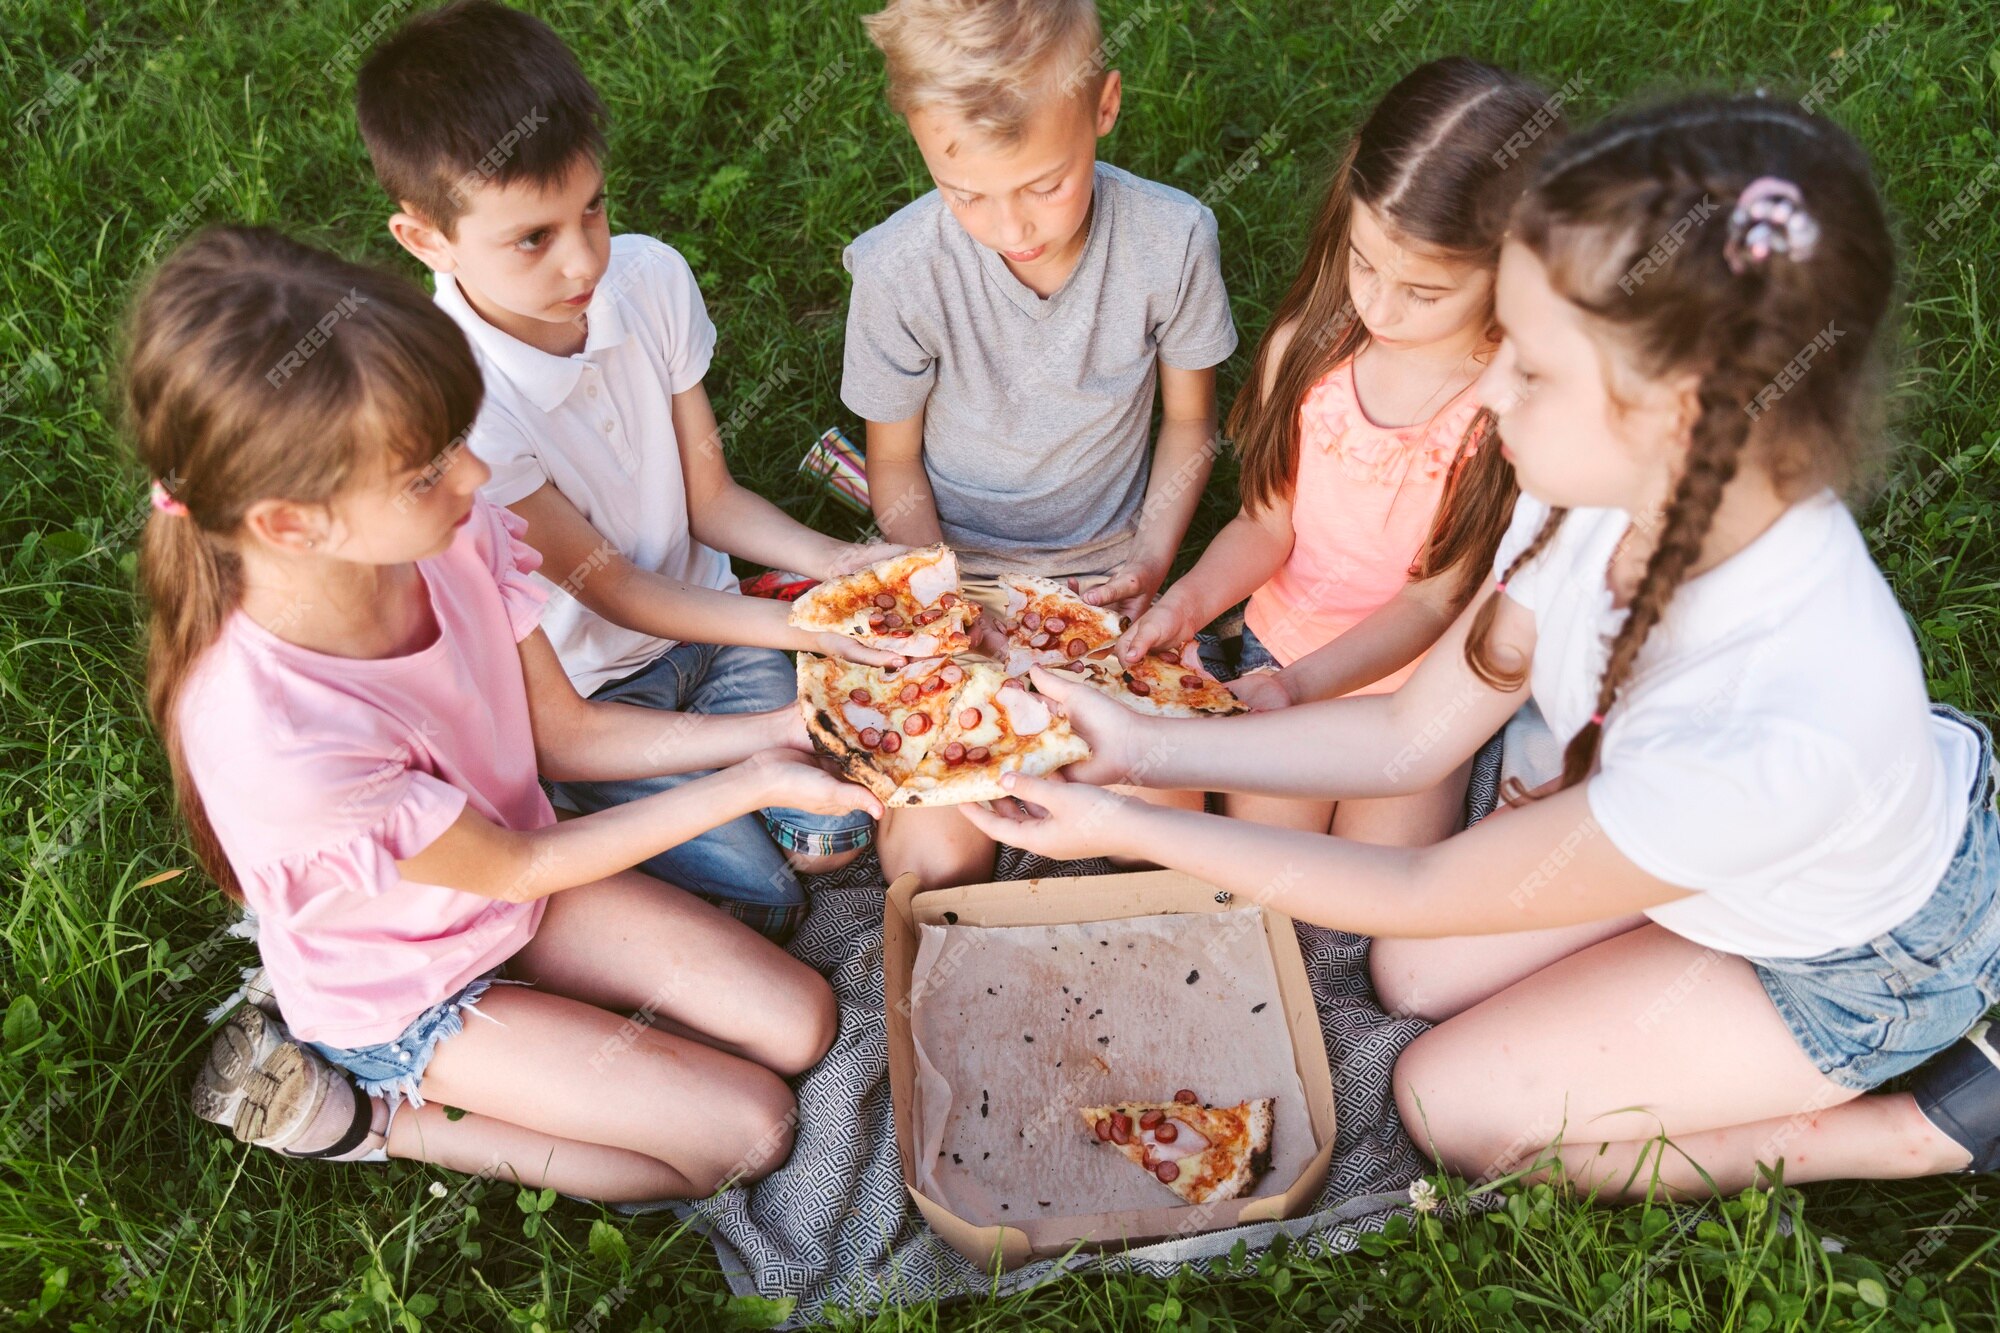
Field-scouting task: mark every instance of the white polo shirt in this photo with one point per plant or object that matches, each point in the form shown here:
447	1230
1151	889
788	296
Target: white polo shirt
1773	749
599	426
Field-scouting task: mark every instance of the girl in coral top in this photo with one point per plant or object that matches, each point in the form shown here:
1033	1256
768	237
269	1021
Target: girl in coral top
347	673
1372	499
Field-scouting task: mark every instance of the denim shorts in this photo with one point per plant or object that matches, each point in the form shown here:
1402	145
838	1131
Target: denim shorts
741	865
1870	1012
1233	656
393	1069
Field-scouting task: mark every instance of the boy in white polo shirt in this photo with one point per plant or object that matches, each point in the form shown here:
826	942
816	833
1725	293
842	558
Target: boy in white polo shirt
484	130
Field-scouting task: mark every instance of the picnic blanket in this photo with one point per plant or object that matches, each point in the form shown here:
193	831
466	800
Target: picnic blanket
834	1228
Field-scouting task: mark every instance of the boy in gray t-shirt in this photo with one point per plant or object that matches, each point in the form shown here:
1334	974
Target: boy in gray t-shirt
1006	332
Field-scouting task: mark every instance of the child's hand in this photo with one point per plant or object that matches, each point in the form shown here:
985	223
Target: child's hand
1165	625
788	778
860	555
988	638
1117	749
830	644
1130	587
1263	691
1052	817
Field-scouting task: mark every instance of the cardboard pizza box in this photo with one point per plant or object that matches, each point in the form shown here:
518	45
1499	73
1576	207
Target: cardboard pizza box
992	1243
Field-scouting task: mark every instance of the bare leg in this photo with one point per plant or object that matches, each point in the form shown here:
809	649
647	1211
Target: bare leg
939	845
1435	979
569	1073
632	945
1416	820
1279	811
803	864
563	1089
1641	1035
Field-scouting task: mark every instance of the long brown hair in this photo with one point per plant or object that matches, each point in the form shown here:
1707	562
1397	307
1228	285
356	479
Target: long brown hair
1602	204
255	368
1441	160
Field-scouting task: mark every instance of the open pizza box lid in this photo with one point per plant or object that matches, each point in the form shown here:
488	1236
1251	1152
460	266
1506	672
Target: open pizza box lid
1083	901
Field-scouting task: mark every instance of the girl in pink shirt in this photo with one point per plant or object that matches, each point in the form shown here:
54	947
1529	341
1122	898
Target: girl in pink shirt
355	700
1372	497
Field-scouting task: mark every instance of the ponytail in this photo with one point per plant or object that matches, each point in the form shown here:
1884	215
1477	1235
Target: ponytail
190	585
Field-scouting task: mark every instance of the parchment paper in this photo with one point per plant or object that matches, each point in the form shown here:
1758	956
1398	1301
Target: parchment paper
1018	1027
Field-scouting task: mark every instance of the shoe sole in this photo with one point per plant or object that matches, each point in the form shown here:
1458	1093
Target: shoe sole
255	1078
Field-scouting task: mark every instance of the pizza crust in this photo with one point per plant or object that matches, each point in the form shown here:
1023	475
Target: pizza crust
920	582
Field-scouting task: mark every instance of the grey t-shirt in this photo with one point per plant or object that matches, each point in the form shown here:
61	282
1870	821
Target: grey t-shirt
1036	412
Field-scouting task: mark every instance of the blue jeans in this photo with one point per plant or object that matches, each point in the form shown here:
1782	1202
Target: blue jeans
1868	1013
1231	657
740	866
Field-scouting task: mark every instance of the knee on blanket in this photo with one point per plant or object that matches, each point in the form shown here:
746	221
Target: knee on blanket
1451	1112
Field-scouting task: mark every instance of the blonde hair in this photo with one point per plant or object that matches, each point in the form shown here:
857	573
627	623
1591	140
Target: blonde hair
990	63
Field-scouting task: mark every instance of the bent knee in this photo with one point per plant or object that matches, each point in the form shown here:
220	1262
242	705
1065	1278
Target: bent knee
1395	968
804	1028
1451	1114
760	1118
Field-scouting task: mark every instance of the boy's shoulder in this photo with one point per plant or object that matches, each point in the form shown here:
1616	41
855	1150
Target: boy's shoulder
919	232
1149	208
642	266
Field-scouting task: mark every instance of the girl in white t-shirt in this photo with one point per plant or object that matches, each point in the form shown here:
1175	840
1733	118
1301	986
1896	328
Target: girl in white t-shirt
1765	881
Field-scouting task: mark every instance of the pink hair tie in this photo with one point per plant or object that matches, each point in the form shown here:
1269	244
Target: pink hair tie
1770	218
1499	585
164	501
1597	719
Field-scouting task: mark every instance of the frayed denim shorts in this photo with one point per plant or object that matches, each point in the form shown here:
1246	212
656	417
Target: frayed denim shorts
1232	656
1870	1012
393	1069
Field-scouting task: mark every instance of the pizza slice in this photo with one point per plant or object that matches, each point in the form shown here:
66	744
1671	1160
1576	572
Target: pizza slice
997	725
1205	1154
908	604
1047	624
877	724
1164	683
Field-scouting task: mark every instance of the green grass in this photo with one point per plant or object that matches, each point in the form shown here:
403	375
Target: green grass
119	1210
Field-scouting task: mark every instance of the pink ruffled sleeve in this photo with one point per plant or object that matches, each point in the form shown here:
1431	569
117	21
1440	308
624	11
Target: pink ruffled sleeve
408	813
512	562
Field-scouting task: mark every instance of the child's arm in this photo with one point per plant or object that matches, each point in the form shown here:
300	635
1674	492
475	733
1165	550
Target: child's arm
734	519
898	488
1371	745
1250	548
478	856
1241	559
576	739
1182	457
1383	643
582	740
582	563
1545	865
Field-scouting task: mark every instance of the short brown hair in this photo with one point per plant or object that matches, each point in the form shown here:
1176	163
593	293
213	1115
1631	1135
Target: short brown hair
988	62
470	93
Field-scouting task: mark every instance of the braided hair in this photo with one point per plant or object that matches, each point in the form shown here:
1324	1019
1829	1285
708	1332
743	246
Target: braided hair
1737	312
